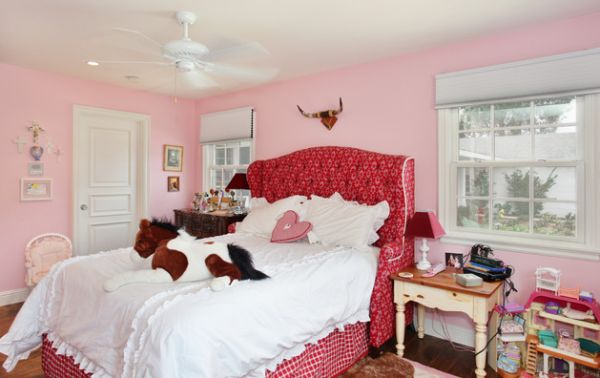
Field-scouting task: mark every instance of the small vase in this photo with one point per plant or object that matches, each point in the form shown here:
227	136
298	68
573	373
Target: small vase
36	152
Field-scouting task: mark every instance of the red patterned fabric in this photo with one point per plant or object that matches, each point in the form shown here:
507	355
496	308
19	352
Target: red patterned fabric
58	366
329	357
358	175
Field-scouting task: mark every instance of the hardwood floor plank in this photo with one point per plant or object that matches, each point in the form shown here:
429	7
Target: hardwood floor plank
29	368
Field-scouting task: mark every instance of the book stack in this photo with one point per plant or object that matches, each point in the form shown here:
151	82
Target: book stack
488	269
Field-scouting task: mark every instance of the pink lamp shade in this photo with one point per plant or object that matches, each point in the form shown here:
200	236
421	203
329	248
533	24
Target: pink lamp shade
238	181
424	224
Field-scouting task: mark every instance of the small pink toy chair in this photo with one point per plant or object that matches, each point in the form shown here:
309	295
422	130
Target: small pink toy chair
42	252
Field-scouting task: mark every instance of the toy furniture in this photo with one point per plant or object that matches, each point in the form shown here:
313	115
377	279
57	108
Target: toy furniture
547	279
543	323
42	252
441	291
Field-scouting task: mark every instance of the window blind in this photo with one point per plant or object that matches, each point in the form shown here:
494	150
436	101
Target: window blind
233	124
572	73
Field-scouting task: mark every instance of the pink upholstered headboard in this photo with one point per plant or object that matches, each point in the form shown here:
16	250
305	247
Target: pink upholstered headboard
363	176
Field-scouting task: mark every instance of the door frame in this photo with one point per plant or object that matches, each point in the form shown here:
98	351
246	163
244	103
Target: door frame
143	158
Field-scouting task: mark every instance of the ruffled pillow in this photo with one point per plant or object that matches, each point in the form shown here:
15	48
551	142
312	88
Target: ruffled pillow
339	222
263	216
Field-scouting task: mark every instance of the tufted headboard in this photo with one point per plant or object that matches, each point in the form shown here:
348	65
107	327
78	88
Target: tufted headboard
358	175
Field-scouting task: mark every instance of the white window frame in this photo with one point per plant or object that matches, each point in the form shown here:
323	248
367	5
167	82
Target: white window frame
208	163
587	243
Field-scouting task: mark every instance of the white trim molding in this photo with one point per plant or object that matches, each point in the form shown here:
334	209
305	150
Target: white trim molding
13	296
585	245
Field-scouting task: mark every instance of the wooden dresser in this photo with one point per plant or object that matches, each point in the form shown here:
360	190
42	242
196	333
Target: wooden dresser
204	225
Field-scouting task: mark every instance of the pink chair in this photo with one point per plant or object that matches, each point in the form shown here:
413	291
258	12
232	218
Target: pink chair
42	252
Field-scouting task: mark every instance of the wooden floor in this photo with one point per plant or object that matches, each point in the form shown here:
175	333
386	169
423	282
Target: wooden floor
429	351
30	368
438	354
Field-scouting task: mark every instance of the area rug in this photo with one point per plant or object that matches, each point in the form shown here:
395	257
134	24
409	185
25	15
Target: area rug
391	366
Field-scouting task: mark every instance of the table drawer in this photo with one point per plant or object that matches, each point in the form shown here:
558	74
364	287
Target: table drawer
437	298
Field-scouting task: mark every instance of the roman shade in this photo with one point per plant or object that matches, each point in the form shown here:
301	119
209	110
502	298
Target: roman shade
570	73
233	124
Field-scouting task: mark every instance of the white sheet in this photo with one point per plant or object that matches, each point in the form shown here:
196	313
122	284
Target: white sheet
182	330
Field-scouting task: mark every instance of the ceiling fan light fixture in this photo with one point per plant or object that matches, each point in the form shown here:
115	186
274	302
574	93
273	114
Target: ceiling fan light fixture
182	49
185	65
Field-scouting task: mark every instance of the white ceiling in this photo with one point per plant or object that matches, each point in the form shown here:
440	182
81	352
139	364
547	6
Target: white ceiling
303	37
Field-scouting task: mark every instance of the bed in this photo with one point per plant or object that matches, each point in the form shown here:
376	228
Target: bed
364	176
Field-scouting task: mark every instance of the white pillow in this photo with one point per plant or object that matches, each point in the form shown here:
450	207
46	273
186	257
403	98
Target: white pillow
255	203
339	222
261	220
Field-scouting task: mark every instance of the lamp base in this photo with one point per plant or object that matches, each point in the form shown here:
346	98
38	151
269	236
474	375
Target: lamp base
424	264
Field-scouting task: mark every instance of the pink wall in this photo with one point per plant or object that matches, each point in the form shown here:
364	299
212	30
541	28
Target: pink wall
389	108
27	95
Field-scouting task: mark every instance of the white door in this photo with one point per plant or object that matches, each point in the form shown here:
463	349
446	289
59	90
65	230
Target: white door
109	176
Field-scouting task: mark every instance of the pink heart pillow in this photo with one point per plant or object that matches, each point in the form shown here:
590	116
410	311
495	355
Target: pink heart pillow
288	229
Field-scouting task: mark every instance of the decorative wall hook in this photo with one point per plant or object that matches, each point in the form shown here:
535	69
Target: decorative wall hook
328	117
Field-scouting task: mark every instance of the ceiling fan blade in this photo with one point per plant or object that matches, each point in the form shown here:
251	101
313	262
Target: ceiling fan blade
245	50
139	34
196	79
253	74
135	62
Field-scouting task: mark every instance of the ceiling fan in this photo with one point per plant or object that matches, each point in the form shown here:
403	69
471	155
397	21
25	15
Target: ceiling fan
196	65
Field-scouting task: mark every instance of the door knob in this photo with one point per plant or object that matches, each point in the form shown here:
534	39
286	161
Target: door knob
83	207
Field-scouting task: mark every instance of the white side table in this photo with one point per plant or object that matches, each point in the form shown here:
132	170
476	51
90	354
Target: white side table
442	292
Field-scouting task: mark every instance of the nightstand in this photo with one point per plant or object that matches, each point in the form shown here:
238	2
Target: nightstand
443	293
205	225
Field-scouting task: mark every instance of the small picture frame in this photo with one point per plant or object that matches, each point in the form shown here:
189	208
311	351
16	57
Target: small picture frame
454	260
35	168
35	189
172	158
173	183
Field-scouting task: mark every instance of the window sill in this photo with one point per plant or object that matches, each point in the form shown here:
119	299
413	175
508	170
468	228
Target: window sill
523	245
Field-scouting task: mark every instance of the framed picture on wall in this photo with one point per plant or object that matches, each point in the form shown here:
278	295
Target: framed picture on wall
173	158
35	168
36	189
173	183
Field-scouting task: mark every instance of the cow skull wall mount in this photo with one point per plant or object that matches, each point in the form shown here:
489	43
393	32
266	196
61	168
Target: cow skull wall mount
328	117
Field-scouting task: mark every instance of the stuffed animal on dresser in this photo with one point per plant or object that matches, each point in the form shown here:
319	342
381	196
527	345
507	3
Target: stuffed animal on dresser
187	259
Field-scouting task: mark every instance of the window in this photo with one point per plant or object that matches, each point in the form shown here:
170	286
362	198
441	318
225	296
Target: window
223	160
514	173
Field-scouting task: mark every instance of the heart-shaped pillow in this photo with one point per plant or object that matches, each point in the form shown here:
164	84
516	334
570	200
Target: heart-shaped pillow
289	229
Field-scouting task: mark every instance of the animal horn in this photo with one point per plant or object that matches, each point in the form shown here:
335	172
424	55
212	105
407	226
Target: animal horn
341	107
307	115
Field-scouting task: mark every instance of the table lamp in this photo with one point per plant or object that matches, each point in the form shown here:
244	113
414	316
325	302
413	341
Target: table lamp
238	181
424	224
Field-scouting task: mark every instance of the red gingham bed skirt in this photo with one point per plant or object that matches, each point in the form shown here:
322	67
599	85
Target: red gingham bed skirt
329	357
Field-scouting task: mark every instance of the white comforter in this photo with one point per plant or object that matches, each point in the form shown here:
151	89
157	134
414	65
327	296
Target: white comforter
183	330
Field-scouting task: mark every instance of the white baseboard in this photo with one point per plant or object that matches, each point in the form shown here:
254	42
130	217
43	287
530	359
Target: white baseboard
458	333
13	296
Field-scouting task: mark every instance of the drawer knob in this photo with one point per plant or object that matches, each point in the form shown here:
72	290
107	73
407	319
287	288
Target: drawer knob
420	296
454	294
406	296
